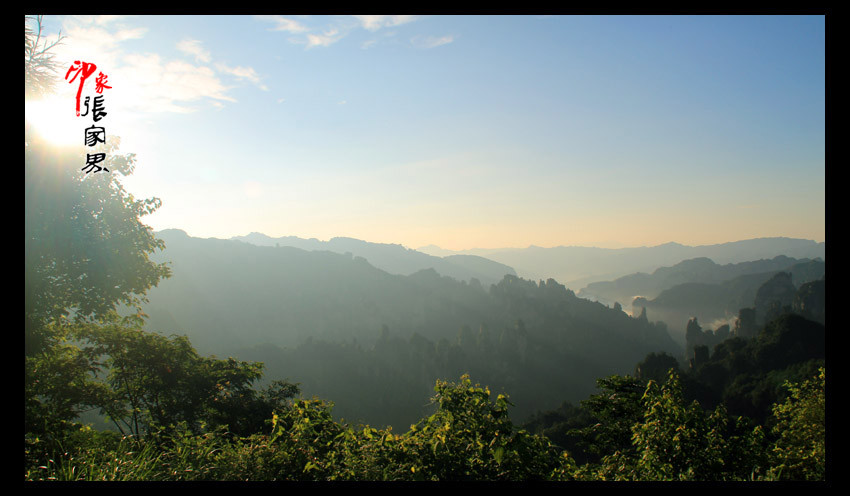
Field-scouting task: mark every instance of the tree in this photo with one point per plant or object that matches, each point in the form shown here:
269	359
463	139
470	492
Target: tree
615	410
86	255
676	440
159	382
58	386
800	450
469	437
39	66
472	438
86	249
656	366
152	387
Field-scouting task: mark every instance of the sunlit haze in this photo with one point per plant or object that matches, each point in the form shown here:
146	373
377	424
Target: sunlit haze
463	131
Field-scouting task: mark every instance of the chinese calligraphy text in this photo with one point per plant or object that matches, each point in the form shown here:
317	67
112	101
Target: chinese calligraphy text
94	134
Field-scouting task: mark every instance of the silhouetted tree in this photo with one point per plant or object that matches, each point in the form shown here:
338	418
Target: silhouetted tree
39	65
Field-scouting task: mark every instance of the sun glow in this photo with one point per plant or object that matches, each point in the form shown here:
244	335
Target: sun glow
54	121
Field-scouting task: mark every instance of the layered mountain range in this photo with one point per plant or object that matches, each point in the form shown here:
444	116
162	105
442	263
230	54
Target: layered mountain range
393	258
700	288
326	316
578	266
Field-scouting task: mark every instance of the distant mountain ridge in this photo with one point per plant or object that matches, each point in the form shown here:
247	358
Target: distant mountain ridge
578	266
394	258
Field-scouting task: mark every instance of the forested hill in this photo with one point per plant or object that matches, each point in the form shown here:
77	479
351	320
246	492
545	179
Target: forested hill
226	294
340	326
394	258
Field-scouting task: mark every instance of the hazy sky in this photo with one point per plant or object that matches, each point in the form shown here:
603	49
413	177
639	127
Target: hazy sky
464	131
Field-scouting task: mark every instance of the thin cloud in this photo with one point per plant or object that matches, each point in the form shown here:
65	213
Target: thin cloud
376	22
336	29
239	72
107	19
101	45
329	37
283	24
169	86
431	41
157	84
130	34
193	47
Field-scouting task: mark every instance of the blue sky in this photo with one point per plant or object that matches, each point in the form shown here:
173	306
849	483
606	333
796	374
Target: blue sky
466	131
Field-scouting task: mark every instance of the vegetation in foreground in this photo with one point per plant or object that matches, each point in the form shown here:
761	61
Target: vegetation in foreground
182	417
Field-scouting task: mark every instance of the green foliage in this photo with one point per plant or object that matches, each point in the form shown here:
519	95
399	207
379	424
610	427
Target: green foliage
472	438
747	375
655	366
675	440
149	385
615	410
467	438
800	450
97	456
59	385
252	458
159	382
86	249
564	427
85	252
108	456
307	435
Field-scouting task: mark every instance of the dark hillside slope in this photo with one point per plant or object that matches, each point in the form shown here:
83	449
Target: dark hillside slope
225	294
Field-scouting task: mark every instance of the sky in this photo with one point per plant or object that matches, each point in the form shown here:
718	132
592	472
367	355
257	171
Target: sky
462	131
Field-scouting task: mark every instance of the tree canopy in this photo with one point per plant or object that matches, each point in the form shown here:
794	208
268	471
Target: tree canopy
87	250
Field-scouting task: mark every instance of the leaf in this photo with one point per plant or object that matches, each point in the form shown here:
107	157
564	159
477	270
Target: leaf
498	453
